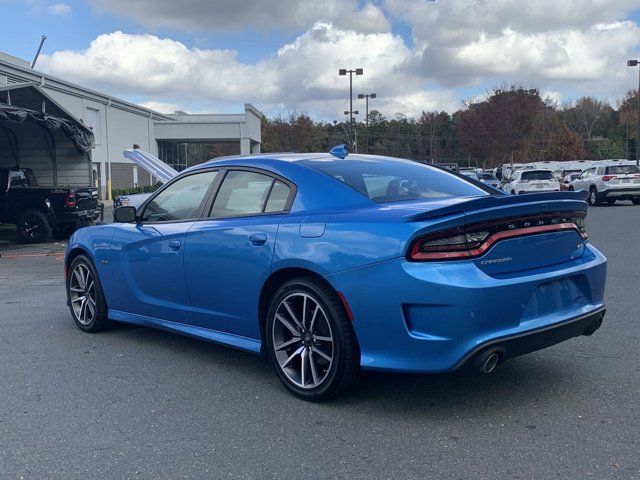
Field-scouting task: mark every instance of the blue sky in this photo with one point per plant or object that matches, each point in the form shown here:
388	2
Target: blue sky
214	55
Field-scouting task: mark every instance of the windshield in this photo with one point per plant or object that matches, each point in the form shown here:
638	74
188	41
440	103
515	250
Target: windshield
622	170
392	180
537	175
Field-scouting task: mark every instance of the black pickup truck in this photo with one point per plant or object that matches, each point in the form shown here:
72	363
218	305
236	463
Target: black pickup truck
41	211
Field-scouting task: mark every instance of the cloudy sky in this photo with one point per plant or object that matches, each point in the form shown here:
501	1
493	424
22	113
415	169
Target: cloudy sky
284	55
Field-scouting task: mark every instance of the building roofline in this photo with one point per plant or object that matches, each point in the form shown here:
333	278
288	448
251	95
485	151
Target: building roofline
107	99
37	88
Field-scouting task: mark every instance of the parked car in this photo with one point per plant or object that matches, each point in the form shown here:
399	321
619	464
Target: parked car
151	164
562	174
565	184
610	183
328	265
531	181
488	179
40	211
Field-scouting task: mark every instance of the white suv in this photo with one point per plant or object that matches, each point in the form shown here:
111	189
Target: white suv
610	183
531	181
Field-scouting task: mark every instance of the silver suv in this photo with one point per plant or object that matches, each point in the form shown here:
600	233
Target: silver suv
610	183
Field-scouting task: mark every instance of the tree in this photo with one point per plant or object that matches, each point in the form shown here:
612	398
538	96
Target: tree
495	129
564	144
589	117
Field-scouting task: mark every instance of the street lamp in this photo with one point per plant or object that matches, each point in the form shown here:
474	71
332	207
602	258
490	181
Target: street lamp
343	72
367	96
635	63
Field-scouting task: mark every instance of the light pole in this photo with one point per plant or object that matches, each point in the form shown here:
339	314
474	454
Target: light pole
367	96
343	72
353	132
635	63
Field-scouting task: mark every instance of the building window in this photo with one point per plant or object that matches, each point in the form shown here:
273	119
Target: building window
93	122
173	154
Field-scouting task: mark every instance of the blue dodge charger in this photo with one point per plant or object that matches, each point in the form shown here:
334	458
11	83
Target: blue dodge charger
328	265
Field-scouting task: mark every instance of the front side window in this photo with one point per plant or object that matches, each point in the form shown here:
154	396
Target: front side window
180	200
249	193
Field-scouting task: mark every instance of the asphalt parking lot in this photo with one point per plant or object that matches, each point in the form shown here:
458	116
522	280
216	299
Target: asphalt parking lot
138	403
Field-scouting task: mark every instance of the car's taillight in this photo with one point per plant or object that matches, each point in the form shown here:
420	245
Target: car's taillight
475	239
606	178
70	201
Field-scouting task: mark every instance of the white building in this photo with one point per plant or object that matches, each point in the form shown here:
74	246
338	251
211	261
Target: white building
115	124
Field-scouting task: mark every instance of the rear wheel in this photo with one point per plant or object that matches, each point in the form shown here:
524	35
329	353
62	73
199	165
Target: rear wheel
593	196
34	227
85	295
636	201
310	340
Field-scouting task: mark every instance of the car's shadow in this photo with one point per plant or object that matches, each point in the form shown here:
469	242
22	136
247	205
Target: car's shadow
539	378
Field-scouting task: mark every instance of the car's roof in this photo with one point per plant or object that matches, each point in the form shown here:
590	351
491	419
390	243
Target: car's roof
297	158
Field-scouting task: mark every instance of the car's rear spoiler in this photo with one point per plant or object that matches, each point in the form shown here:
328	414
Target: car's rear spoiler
543	200
151	164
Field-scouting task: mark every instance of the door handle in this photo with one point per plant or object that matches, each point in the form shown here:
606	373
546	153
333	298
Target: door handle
174	245
258	239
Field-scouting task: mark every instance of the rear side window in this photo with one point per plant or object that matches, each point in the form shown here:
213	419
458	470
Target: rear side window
278	197
249	193
537	175
622	170
395	180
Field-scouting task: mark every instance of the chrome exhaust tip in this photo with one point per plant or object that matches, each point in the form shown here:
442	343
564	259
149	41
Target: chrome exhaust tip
490	363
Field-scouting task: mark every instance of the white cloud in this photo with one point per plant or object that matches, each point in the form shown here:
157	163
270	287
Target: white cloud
302	76
60	9
565	48
239	15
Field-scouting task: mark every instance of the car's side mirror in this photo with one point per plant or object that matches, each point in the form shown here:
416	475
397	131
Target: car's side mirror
124	214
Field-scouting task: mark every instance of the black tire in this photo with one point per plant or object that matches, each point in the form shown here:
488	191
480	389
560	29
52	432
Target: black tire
593	199
636	201
513	192
344	369
99	320
33	227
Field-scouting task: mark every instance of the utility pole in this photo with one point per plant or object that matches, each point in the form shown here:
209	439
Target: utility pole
635	63
343	72
367	96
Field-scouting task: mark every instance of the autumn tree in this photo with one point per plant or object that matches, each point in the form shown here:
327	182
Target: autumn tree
589	117
564	144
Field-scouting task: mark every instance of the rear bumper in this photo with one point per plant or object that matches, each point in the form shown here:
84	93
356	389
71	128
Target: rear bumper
533	340
78	215
437	317
523	192
621	193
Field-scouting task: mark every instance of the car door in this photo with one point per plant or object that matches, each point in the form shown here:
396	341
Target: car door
148	256
582	182
228	256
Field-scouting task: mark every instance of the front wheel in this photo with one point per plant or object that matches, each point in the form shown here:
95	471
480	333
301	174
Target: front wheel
310	340
85	295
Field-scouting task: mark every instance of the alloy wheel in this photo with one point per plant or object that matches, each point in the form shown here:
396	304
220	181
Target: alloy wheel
82	293
303	342
32	228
